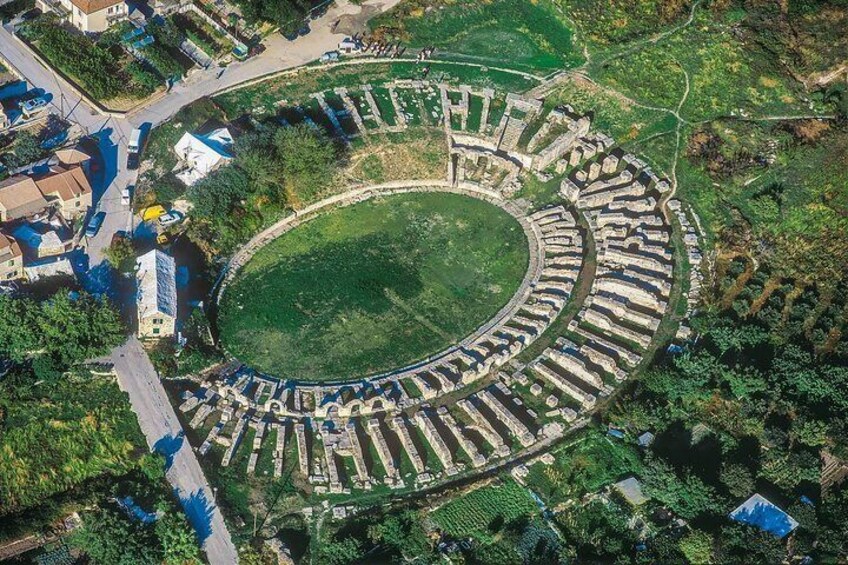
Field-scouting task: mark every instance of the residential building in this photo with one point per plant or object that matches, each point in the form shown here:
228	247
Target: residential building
40	240
68	188
157	295
11	259
89	16
199	155
20	198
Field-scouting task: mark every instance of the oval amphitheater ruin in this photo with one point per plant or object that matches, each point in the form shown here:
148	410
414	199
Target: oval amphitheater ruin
611	261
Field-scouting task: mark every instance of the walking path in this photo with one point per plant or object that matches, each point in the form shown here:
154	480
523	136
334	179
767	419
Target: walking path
158	421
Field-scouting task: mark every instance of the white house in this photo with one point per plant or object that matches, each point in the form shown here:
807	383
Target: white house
200	155
90	16
157	295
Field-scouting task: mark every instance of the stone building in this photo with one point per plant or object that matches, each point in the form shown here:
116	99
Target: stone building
11	259
157	295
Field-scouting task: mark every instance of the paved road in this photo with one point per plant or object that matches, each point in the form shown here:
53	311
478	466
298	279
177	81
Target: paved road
164	434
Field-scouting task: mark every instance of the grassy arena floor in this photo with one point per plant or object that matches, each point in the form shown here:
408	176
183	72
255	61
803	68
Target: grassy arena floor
374	286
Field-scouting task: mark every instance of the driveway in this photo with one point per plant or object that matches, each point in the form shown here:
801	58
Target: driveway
158	421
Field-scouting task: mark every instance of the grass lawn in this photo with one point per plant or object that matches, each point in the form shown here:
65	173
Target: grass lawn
513	33
371	287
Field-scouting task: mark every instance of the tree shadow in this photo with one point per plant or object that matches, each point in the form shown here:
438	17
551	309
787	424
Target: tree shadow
168	446
198	510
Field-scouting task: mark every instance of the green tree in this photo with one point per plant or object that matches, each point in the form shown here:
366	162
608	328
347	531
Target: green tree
178	540
19	336
121	253
68	330
216	196
307	158
738	479
76	329
688	496
401	533
27	149
697	547
110	538
340	552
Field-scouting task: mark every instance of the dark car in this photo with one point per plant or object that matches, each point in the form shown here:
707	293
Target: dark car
95	224
132	161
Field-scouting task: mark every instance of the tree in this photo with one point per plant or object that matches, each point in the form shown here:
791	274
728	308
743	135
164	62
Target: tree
110	538
179	542
76	329
738	479
120	253
27	150
697	547
307	158
687	496
215	196
256	157
401	533
340	552
18	328
68	330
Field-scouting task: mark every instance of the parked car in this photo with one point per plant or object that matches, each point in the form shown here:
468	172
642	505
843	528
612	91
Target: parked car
95	224
170	218
33	106
126	196
329	57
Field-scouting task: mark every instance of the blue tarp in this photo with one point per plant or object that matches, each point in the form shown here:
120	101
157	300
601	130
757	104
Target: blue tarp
759	512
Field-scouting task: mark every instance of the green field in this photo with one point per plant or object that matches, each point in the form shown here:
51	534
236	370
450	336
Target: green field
373	286
511	33
481	514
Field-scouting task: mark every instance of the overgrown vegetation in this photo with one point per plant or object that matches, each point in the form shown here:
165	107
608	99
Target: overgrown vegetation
288	15
528	35
59	425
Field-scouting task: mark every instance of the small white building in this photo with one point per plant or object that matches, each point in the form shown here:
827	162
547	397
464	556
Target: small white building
157	295
199	155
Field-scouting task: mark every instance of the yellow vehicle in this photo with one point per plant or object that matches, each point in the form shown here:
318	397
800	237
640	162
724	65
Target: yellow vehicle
152	212
162	239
